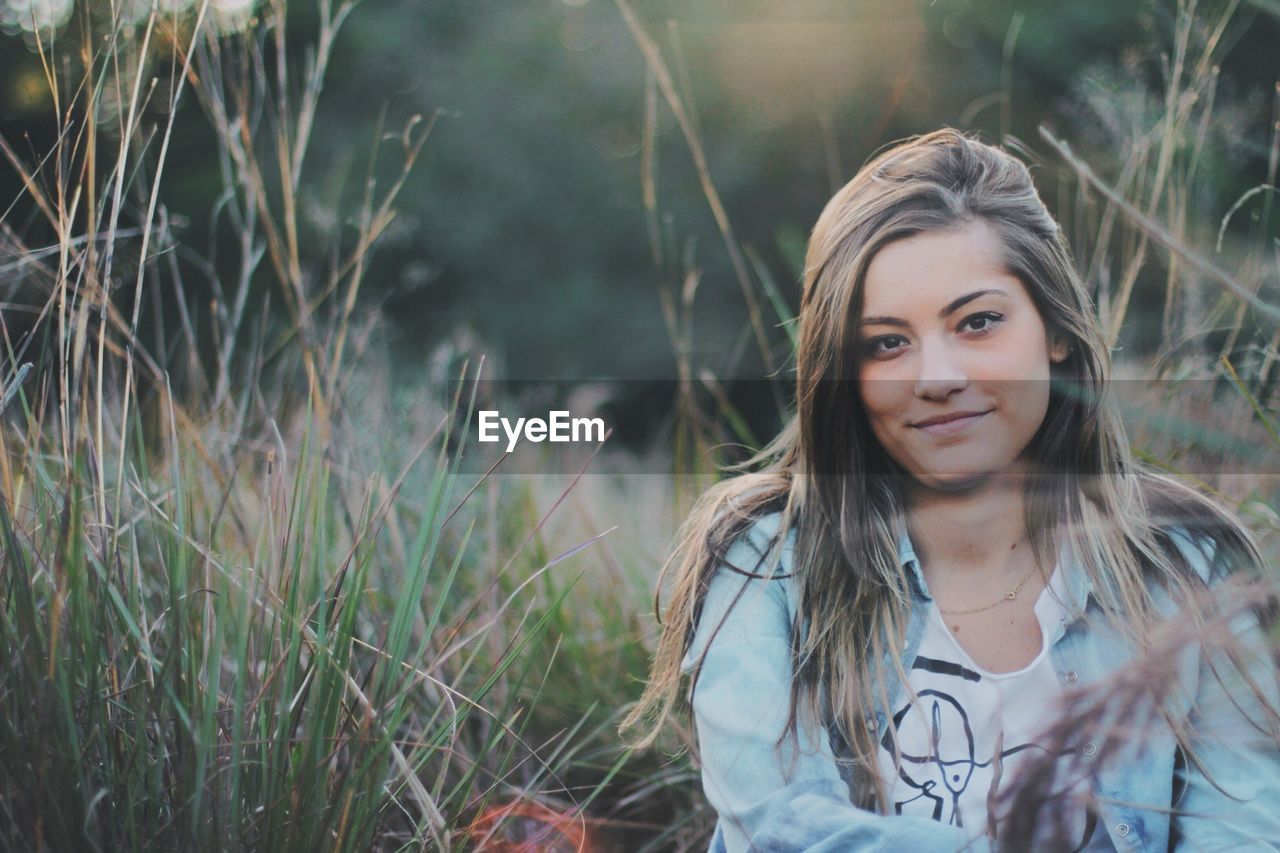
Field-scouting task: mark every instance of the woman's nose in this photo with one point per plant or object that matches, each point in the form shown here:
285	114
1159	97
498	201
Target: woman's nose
941	373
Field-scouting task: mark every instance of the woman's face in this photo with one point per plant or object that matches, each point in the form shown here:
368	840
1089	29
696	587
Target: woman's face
946	331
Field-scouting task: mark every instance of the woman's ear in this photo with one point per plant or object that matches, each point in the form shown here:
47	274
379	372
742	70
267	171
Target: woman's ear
1059	347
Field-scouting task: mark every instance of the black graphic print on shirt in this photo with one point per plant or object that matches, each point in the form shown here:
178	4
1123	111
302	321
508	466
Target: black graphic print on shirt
952	765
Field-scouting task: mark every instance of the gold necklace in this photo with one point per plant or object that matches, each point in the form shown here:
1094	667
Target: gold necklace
1008	596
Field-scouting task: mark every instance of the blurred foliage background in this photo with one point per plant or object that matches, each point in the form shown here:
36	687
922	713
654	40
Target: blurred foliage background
525	222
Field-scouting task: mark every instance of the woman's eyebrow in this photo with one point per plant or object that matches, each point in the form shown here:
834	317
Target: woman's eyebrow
961	301
950	308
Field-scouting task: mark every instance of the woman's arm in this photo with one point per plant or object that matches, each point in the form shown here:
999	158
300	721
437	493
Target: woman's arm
1245	761
740	707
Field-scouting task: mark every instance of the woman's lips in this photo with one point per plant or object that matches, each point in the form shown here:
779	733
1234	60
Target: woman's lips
952	427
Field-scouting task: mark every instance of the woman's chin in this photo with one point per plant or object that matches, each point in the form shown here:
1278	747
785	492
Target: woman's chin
955	481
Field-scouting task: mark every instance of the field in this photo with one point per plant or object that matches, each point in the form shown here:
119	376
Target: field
254	593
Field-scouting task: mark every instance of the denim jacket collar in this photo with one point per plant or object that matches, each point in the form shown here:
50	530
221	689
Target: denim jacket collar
907	557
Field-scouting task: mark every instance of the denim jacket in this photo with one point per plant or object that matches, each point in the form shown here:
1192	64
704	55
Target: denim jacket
740	707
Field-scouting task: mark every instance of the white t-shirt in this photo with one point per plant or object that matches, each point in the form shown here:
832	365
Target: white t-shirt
962	709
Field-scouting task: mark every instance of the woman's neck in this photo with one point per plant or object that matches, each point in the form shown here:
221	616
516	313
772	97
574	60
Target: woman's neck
976	531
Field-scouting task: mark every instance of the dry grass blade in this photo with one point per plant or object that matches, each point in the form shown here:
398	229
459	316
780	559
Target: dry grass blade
658	68
1157	231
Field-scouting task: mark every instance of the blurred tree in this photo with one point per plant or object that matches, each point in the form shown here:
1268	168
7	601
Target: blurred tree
525	219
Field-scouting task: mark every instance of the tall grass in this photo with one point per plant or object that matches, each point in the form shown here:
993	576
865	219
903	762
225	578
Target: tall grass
225	625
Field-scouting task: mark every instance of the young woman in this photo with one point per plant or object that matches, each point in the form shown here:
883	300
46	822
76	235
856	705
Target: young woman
947	543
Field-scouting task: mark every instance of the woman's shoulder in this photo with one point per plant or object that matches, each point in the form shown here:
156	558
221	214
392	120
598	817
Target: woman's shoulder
749	592
757	544
1218	548
1196	545
1197	529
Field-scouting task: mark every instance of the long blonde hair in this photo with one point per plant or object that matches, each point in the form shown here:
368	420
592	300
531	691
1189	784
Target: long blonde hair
840	492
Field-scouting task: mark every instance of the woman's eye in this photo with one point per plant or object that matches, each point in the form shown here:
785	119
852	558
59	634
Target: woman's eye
982	322
883	345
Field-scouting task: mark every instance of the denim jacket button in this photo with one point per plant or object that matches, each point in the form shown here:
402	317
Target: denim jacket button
871	724
1089	749
1122	829
1073	677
